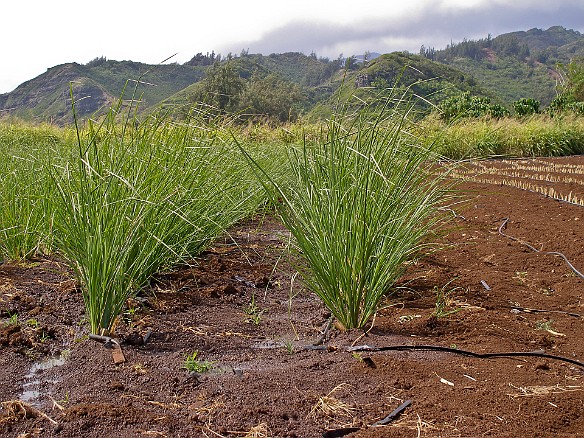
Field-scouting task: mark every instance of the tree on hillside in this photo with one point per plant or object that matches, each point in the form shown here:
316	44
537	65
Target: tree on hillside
570	95
221	88
202	60
351	63
526	107
574	85
464	106
272	97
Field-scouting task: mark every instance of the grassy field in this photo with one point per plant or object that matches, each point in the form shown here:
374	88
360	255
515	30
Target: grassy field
539	135
124	199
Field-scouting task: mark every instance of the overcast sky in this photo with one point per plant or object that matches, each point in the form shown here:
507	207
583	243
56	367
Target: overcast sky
40	34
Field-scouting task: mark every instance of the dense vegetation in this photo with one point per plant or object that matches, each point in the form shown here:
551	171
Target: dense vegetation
514	65
339	148
125	198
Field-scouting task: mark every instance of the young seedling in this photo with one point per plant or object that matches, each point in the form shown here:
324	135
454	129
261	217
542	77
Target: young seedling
13	320
34	323
253	312
289	346
521	277
547	326
195	365
443	302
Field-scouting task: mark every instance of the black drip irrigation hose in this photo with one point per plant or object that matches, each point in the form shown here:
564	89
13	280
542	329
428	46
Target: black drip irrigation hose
467	353
554	253
528	310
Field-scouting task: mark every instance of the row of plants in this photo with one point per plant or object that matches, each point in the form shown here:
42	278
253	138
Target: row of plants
538	135
125	198
465	105
122	199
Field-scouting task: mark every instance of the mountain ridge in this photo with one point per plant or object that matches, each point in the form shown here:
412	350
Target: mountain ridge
508	67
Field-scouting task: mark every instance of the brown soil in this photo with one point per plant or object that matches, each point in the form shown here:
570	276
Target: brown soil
268	380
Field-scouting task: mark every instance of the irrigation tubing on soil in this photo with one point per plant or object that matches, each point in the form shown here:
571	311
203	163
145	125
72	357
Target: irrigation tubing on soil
466	352
528	310
554	253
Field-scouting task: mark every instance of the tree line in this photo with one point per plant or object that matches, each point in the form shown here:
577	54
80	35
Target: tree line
569	99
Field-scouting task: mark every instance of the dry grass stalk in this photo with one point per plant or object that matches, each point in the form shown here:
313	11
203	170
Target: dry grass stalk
259	431
536	391
173	405
206	410
511	176
153	433
331	406
17	409
417	424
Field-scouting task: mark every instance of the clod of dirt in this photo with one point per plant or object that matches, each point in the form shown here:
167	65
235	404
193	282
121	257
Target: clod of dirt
134	338
231	290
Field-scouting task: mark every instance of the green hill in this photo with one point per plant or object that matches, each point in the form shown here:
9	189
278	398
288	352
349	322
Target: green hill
431	81
515	65
505	68
96	86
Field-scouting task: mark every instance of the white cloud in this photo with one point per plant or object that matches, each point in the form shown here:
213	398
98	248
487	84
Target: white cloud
37	35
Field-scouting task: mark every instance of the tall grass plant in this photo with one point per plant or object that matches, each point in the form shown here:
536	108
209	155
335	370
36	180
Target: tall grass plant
360	203
534	136
26	191
142	196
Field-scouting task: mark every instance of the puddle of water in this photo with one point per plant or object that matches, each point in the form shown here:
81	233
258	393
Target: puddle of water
31	388
46	364
268	344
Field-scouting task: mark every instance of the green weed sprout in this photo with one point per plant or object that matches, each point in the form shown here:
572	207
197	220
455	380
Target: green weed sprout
195	365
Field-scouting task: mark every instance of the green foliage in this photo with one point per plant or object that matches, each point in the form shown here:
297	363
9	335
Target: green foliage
359	202
272	97
517	64
12	320
140	197
26	191
221	88
537	135
196	365
259	97
526	107
465	105
443	306
44	98
508	79
573	86
253	312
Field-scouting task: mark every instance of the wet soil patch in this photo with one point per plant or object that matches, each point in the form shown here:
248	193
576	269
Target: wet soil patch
243	310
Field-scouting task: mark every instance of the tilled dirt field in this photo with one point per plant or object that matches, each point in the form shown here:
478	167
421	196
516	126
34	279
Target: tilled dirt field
243	309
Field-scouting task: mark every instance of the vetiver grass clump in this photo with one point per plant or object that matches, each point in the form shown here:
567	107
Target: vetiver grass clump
142	196
26	189
360	204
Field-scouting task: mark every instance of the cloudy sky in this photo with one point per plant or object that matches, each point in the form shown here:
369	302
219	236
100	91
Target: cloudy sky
38	34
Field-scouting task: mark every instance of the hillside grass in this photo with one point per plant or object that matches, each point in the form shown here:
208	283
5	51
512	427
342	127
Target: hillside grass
535	136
